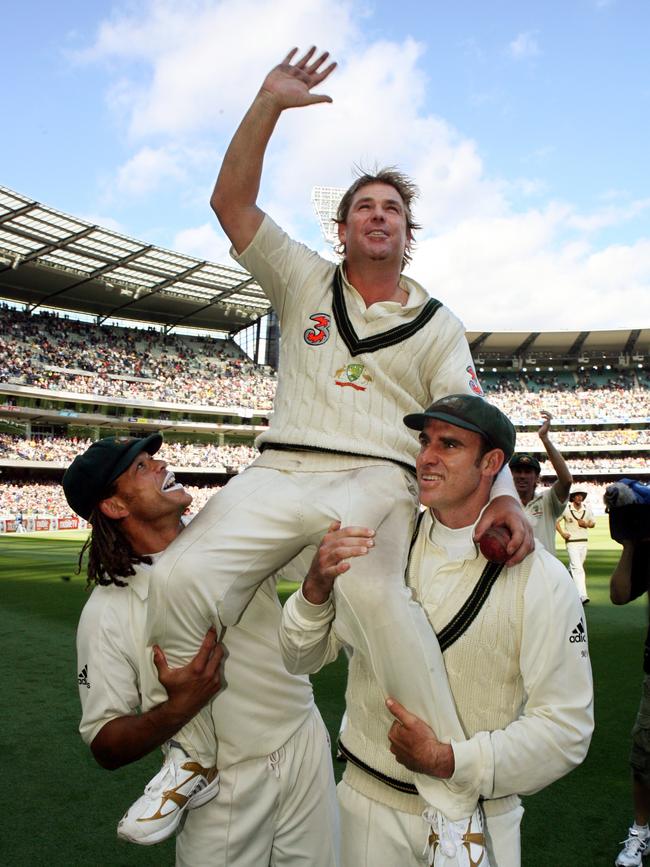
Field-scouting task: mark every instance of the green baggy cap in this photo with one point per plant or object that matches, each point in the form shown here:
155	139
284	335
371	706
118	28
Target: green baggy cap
472	413
89	475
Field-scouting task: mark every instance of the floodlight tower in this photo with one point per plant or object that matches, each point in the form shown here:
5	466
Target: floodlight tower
325	201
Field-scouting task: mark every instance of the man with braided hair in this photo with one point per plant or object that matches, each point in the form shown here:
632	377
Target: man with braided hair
276	798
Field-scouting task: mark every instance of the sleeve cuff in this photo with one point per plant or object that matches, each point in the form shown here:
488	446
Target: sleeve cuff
472	764
306	610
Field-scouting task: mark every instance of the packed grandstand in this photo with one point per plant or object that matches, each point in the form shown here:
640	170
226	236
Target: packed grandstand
67	378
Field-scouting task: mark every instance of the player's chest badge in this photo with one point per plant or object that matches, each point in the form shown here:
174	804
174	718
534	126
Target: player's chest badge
353	376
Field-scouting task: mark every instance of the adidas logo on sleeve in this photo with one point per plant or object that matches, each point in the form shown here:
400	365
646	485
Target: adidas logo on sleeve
83	677
579	634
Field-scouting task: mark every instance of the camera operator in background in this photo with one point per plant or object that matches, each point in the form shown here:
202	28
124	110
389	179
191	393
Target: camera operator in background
629	581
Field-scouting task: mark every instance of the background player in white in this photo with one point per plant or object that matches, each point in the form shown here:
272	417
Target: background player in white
543	507
361	346
577	519
276	802
519	673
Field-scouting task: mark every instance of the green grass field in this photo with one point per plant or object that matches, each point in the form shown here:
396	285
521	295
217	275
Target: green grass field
59	808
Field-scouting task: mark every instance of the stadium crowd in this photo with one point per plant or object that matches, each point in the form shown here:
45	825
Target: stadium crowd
47	499
67	355
527	440
606	405
61	354
177	454
185	455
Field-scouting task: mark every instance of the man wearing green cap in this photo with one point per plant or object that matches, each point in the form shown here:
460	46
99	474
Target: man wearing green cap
544	507
504	635
264	717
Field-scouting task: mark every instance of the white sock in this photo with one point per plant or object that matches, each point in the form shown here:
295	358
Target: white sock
641	830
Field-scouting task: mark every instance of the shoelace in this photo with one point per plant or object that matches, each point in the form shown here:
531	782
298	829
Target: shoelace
634	844
449	835
162	780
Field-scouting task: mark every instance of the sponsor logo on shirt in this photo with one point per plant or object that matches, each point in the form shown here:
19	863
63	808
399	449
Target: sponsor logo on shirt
579	635
473	380
83	677
352	375
320	333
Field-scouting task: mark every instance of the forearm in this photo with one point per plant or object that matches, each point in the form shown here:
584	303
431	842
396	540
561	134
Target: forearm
237	187
527	755
620	584
564	477
128	738
307	640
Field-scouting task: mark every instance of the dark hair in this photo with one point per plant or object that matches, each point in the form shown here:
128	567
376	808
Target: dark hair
486	446
391	176
110	554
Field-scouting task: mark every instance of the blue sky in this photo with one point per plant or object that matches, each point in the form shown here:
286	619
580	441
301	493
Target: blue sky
525	124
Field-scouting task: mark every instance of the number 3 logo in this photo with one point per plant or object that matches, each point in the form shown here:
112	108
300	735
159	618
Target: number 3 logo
319	334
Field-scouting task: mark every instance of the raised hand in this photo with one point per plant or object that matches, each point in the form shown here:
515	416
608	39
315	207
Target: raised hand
290	84
546	424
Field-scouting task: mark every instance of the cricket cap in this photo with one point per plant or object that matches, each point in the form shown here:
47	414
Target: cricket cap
525	462
88	477
472	413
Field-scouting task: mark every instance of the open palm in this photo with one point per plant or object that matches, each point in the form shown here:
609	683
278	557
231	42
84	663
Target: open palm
291	83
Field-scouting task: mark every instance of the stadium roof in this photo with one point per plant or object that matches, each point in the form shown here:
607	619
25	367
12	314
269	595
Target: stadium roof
628	345
50	259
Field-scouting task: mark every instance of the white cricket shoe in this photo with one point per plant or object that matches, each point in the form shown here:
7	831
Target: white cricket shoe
181	784
634	849
456	844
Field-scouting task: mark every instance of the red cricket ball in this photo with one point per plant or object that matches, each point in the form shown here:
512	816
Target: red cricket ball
494	543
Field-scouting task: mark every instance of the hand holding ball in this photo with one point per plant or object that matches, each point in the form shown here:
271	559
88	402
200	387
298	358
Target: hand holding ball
494	544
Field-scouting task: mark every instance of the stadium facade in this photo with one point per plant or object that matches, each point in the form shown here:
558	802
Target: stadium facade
70	373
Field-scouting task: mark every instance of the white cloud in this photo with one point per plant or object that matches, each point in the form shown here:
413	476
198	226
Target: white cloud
146	170
523	46
610	216
206	59
183	78
521	273
204	242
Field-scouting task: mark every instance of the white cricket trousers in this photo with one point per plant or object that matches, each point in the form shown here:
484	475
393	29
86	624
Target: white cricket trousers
373	834
577	552
259	522
274	811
